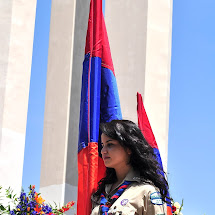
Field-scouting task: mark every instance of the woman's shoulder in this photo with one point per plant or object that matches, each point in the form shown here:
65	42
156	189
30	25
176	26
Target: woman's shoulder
139	183
142	189
147	186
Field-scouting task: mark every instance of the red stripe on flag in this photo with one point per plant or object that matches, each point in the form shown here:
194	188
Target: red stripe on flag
169	210
144	124
97	43
106	53
90	166
94	32
82	180
90	170
145	127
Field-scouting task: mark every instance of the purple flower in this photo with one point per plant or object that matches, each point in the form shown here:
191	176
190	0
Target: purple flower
23	197
47	209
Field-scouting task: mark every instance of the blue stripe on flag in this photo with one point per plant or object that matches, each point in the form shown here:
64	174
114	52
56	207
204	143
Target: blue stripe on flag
110	104
158	157
95	87
95	91
104	100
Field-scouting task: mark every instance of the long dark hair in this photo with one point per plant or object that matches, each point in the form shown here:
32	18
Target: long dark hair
142	159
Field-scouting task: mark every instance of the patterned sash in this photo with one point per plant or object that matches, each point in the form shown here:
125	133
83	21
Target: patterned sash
105	205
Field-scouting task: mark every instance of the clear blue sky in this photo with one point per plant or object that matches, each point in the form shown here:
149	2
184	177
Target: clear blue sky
34	131
192	104
191	159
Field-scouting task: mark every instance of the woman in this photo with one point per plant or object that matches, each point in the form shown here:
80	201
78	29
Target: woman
134	182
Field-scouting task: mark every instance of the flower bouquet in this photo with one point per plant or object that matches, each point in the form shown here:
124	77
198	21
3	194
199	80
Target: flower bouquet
30	204
176	208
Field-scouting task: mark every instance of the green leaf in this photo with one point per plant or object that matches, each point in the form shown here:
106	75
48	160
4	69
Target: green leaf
182	203
2	207
55	204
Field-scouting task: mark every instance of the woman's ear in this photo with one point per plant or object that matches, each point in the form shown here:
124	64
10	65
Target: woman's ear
128	151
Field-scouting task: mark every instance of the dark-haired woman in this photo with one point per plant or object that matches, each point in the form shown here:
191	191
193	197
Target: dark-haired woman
133	184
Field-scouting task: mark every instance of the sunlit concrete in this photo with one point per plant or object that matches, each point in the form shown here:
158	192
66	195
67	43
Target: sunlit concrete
61	122
17	19
140	40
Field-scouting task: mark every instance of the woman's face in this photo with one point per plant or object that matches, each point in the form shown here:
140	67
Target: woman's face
113	154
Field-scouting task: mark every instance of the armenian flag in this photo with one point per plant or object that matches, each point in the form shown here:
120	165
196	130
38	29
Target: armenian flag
146	129
99	103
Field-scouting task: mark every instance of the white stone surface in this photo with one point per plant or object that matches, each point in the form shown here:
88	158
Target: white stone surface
17	22
157	78
19	65
63	89
58	94
62	194
140	41
12	157
5	25
126	23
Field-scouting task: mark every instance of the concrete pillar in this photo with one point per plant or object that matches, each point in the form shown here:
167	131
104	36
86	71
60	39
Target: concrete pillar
140	40
68	28
133	29
16	42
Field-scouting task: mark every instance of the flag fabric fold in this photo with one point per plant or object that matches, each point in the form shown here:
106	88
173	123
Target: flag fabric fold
145	127
99	103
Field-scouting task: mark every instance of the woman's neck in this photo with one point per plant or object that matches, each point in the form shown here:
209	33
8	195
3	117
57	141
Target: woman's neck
122	172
